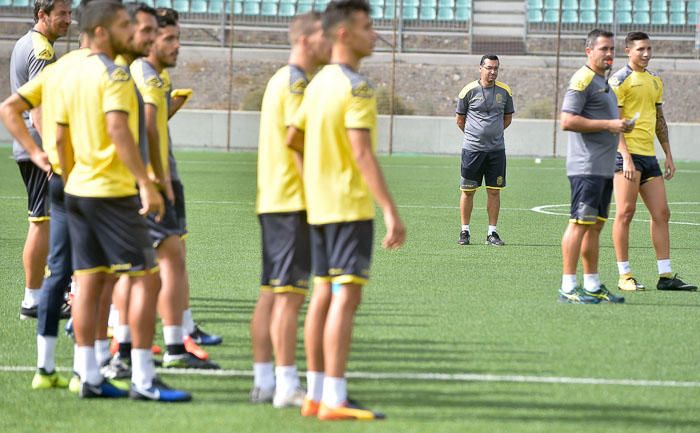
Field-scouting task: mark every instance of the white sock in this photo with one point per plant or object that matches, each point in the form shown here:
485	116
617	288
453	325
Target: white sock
465	227
286	379
591	282
113	320
45	349
172	335
568	283
263	375
31	297
73	287
87	365
102	353
314	385
187	322
76	364
122	333
624	268
491	230
335	391
664	266
143	371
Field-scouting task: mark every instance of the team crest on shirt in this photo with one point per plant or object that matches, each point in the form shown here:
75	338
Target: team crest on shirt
45	54
499	98
119	74
363	90
154	82
499	181
298	87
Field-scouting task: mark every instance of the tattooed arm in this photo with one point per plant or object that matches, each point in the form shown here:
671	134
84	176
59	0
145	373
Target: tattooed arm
662	135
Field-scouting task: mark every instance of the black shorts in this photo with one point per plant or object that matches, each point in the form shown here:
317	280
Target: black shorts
648	166
166	227
179	192
341	252
286	252
590	198
108	235
37	183
479	165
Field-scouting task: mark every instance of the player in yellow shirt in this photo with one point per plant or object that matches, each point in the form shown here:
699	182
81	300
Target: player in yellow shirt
281	209
640	96
99	118
338	118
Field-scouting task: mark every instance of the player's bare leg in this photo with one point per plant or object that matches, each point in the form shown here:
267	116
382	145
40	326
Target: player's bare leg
263	373
283	330
34	254
493	205
466	205
653	194
314	325
590	247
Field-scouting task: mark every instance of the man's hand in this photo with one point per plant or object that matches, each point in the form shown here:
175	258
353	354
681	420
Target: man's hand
395	230
151	201
41	160
628	168
617	126
169	193
669	168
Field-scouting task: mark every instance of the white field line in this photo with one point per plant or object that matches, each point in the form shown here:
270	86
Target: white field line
430	377
545	209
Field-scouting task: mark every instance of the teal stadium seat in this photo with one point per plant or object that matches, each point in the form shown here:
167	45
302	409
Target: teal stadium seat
551	16
20	3
677	6
199	6
659	6
693	19
659	18
641	18
287	9
587	5
588	17
551	4
445	13
677	18
693	6
268	9
215	6
409	3
534	4
376	12
623	5
320	5
569	17
428	3
463	13
534	16
251	8
624	18
5	3
570	5
605	17
641	5
427	13
164	4
605	5
379	3
463	4
304	6
446	3
182	6
410	13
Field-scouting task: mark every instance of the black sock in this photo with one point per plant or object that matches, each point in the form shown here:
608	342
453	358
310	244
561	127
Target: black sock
176	349
125	350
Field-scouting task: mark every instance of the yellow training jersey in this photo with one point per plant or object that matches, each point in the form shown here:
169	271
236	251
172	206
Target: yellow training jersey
44	90
98	86
153	91
280	188
337	99
639	92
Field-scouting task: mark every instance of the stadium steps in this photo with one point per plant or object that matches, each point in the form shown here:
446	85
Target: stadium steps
499	27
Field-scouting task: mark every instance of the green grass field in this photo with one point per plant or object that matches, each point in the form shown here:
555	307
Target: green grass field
431	308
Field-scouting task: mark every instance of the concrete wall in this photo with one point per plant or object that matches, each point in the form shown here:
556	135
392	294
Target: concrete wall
206	129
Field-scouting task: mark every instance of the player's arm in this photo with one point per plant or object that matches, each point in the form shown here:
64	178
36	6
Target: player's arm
154	156
11	114
361	143
178	98
507	119
295	141
628	168
120	134
577	123
64	149
460	120
35	114
662	135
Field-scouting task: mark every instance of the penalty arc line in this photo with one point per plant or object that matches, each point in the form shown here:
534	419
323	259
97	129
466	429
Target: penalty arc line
544	209
434	377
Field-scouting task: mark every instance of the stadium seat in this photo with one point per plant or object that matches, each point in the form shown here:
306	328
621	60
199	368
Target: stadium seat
623	5
20	3
693	19
215	6
304	7
446	3
410	13
569	17
587	5
409	3
605	17
677	6
641	18
570	5
659	6
427	13
446	14
605	5
320	5
379	3
251	8
428	3
5	3
462	13
199	6
164	4
534	16
376	12
287	9
182	6
588	17
268	9
641	5
551	4
677	18
659	18
693	6
534	4
463	4
551	16
389	12
624	18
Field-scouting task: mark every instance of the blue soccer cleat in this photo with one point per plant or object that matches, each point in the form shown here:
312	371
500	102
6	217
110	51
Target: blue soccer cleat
159	391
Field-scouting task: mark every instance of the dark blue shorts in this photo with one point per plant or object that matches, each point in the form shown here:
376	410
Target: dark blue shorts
286	252
477	166
179	192
166	227
36	182
590	198
341	252
648	166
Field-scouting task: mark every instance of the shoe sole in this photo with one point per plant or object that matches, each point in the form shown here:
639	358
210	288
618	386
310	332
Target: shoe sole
694	289
495	245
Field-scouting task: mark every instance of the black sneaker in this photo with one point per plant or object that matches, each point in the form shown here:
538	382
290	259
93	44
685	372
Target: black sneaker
28	312
203	339
464	237
675	283
494	239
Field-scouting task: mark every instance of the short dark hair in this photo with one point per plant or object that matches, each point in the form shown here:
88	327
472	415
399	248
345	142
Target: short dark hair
339	11
635	36
594	34
167	17
98	13
47	6
79	10
133	8
486	57
303	25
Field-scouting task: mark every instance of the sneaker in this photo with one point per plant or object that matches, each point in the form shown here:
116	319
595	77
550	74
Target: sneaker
74	385
188	360
259	395
194	349
202	338
347	411
494	239
295	399
105	389
44	380
628	283
577	297
464	237
674	283
117	368
159	391
604	295
27	312
309	407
